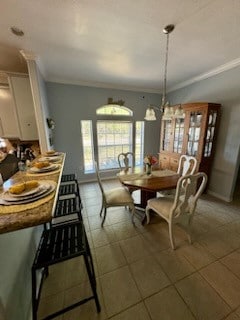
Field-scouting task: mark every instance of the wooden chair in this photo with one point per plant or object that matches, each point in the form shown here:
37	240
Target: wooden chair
126	160
116	197
187	165
181	208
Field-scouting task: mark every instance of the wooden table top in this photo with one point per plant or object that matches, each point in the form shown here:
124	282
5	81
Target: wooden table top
159	180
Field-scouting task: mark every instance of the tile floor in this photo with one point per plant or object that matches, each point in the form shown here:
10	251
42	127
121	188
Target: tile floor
140	277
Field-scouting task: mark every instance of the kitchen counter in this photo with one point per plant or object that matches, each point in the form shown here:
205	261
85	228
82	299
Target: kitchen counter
16	217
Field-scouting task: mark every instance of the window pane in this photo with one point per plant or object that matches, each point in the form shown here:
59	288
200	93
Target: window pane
139	143
114	137
87	142
114	110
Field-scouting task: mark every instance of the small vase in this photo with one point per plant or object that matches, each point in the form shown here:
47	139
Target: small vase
148	169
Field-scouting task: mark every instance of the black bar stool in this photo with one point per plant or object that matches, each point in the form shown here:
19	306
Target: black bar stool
68	209
68	177
69	186
58	244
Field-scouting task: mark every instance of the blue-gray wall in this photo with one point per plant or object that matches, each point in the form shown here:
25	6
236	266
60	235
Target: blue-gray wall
223	88
69	104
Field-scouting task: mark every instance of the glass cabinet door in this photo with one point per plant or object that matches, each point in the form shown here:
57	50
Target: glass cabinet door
178	135
212	118
166	138
194	133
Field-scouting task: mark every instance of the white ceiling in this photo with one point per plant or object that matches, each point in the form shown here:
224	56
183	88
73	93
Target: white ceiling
120	43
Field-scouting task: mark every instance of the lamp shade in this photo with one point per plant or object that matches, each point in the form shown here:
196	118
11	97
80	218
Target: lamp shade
150	114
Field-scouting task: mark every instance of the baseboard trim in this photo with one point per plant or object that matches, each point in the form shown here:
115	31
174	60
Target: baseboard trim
217	195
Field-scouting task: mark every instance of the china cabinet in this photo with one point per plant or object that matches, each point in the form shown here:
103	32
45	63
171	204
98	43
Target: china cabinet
194	135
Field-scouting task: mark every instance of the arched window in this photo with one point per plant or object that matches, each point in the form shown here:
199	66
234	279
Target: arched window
114	110
115	132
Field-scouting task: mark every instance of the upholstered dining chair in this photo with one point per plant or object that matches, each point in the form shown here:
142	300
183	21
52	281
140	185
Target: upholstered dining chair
126	160
116	197
180	209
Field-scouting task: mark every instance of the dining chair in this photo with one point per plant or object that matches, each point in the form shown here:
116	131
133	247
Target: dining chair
126	160
116	197
180	209
187	165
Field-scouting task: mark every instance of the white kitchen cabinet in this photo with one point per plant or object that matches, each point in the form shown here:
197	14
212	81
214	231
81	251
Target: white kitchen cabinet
23	101
9	127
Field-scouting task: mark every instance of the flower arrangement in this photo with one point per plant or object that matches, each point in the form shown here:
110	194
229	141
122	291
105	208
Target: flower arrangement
150	160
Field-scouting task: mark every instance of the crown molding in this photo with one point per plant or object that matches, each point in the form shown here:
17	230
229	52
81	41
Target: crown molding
28	55
101	85
224	67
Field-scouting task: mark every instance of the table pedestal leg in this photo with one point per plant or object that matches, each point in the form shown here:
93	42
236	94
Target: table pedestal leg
145	196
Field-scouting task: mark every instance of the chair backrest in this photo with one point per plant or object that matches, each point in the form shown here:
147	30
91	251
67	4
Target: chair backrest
187	165
189	188
126	160
99	180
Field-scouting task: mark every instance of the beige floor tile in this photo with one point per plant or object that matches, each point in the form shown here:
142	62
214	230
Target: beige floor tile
238	311
51	304
93	206
201	225
229	236
201	298
124	230
95	222
134	248
232	262
75	272
157	237
86	311
109	258
233	316
174	265
119	214
137	312
103	236
224	282
119	290
215	245
197	255
149	276
51	284
168	305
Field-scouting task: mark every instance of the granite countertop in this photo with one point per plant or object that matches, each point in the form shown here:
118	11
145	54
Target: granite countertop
16	217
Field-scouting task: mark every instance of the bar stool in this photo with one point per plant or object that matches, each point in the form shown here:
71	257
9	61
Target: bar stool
69	186
68	177
68	209
56	245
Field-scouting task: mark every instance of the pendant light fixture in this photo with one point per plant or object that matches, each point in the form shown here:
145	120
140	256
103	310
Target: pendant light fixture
167	111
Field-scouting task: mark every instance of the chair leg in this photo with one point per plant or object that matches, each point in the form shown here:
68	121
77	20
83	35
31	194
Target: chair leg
101	210
147	214
170	227
92	282
132	208
189	232
34	293
104	216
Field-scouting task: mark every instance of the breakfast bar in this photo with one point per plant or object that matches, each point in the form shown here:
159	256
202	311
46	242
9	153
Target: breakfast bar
19	216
